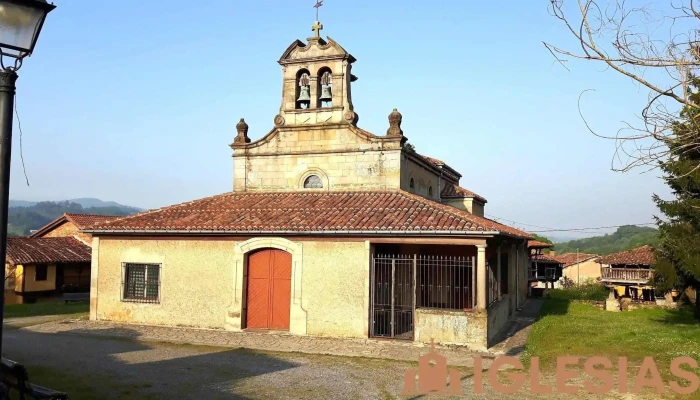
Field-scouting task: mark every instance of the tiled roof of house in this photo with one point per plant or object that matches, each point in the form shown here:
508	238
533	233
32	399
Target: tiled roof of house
640	256
79	220
308	212
435	161
544	258
453	191
46	250
569	259
536	244
447	171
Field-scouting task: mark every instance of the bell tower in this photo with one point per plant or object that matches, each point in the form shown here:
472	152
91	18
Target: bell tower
316	83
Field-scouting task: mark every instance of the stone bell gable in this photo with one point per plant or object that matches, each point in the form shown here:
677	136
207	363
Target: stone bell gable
316	143
322	63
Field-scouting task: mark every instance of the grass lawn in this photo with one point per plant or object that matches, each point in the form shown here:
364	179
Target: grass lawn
575	329
47	308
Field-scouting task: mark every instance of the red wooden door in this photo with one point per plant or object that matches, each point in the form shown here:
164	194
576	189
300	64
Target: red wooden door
269	289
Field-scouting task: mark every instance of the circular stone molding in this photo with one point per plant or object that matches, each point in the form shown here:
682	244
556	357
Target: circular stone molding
279	120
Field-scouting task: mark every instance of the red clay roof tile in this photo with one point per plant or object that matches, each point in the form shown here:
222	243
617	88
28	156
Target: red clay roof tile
640	256
569	259
310	211
47	250
453	191
536	244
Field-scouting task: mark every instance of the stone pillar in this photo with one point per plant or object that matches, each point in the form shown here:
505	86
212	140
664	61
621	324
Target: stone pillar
481	277
94	276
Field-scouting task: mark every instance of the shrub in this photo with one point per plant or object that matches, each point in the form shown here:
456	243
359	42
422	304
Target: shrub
590	291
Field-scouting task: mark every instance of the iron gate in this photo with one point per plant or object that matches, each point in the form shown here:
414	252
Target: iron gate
393	282
400	283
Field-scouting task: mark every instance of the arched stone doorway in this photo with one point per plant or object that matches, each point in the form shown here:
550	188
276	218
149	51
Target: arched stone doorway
269	289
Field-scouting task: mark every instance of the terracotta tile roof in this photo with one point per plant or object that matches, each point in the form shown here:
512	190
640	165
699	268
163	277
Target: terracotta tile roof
544	258
435	161
85	220
569	259
640	256
358	212
46	250
450	190
536	244
79	220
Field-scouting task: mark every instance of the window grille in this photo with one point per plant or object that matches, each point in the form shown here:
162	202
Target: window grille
313	182
141	283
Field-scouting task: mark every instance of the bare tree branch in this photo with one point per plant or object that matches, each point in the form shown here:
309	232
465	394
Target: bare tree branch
659	49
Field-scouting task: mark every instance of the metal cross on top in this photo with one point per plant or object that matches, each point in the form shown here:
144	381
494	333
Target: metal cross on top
319	4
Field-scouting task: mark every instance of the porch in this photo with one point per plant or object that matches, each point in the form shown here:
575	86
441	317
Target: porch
626	275
461	294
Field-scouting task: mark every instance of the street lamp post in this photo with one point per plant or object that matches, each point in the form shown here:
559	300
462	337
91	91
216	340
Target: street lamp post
20	24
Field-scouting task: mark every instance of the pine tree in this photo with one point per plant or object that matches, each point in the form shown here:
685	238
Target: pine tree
678	257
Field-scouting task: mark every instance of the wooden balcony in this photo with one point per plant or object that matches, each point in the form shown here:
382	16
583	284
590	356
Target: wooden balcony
626	275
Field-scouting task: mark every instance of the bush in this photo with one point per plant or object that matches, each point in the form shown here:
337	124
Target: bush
589	291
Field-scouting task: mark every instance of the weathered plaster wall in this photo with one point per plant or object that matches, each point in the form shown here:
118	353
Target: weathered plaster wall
451	327
196	281
423	177
466	204
202	284
68	229
585	270
29	276
497	317
335	289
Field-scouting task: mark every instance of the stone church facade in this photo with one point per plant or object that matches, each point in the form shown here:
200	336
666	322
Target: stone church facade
329	230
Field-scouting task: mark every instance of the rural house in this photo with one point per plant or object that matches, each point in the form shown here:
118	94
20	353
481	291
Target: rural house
330	230
545	270
579	267
37	268
52	260
629	272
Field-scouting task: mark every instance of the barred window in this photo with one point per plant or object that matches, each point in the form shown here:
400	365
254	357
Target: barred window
313	182
141	283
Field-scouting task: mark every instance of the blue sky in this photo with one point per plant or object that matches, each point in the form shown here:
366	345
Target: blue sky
133	102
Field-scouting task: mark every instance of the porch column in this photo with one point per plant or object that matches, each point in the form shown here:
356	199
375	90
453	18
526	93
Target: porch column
481	276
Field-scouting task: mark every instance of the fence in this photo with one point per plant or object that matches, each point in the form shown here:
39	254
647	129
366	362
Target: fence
626	274
403	282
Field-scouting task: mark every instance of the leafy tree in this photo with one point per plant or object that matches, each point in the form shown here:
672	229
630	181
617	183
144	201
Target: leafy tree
678	261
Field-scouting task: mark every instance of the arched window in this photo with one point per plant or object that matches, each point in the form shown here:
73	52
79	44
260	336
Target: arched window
313	182
430	191
412	184
325	88
303	89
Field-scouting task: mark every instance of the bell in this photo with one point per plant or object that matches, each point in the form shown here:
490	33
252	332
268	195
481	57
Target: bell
326	93
304	94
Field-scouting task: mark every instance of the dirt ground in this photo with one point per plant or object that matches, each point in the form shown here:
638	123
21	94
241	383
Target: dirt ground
111	368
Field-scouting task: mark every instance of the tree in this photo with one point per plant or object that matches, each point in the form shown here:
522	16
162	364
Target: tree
544	240
678	258
657	49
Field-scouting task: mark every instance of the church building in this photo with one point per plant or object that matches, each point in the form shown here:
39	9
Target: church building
329	230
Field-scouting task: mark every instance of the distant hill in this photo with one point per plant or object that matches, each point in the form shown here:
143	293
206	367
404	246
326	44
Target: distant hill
25	218
625	238
85	202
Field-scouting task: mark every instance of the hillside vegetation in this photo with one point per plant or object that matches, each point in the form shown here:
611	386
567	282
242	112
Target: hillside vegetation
625	238
24	219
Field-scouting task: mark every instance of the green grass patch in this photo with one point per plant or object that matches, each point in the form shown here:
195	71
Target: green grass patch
47	308
591	291
575	329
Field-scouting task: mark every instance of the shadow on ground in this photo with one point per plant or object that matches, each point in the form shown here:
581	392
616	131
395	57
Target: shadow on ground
139	370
